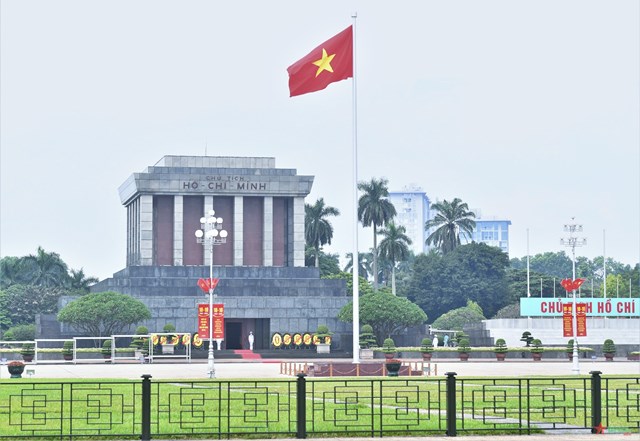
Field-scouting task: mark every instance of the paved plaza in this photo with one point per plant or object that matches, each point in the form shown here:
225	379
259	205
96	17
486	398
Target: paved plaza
228	369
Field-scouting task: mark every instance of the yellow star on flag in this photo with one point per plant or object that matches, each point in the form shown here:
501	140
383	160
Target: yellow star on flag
324	63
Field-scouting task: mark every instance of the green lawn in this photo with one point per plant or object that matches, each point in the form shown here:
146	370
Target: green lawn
344	407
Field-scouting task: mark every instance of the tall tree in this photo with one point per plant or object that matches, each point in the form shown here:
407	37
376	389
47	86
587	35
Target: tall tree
364	264
375	209
46	269
451	219
80	281
317	228
394	246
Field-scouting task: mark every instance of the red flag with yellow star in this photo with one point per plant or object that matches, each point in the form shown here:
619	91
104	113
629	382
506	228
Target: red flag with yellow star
330	62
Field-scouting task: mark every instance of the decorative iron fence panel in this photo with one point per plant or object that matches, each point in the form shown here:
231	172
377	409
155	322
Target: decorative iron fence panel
297	408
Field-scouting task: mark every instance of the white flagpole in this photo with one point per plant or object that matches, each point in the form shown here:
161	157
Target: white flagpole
355	259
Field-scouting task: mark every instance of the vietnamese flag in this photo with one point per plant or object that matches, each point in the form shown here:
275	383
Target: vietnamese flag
330	62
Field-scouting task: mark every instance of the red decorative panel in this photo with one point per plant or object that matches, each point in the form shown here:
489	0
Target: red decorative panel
253	230
192	211
223	253
279	231
163	230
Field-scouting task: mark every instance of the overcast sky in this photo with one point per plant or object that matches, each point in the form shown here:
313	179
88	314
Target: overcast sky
527	110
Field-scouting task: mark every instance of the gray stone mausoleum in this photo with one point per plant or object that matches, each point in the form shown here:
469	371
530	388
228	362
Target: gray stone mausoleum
263	282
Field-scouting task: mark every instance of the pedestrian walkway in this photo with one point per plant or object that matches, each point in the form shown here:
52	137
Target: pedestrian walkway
228	369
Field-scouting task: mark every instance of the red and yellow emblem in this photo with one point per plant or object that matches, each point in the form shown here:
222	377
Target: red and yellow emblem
276	340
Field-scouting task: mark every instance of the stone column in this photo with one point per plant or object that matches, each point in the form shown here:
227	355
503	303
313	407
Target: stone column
146	230
298	231
267	243
208	205
177	230
238	232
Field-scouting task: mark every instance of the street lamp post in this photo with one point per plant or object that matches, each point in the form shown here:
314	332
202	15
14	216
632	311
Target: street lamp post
211	234
573	242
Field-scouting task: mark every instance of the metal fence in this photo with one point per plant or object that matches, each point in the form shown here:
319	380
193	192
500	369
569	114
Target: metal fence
297	408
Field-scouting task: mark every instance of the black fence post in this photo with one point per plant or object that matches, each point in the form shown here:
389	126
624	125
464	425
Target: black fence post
451	403
596	402
146	408
301	406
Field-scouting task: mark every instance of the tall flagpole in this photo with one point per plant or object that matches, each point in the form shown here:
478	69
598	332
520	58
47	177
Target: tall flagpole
354	257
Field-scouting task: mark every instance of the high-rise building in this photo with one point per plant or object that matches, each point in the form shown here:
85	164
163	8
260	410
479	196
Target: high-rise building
412	206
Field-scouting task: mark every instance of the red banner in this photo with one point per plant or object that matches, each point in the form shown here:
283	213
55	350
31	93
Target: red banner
567	319
218	321
581	319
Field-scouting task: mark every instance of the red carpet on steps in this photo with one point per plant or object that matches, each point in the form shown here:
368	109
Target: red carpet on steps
246	354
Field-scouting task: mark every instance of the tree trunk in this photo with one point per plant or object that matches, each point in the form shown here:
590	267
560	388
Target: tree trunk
393	280
317	258
375	258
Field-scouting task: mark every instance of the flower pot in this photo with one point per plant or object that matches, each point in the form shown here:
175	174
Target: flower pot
27	358
500	356
323	348
392	368
608	356
15	371
537	356
426	356
389	355
464	356
366	354
67	357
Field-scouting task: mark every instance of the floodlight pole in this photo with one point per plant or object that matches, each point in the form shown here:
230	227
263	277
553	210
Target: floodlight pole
211	233
573	242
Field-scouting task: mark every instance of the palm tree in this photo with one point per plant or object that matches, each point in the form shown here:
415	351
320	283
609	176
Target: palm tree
317	228
80	281
364	264
45	269
375	209
395	247
451	218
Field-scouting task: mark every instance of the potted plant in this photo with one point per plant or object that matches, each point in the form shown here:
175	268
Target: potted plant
28	351
392	365
67	350
609	349
367	340
500	349
106	349
463	349
140	344
16	368
168	341
389	348
324	337
527	338
426	348
537	349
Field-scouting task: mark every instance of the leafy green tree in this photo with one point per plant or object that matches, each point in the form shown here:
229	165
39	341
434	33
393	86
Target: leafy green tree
329	263
11	271
20	333
317	228
509	311
394	246
375	209
517	281
457	318
385	312
451	218
364	287
364	264
45	269
474	271
104	313
22	302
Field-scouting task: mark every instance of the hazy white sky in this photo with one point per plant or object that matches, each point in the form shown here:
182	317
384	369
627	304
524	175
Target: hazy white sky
528	110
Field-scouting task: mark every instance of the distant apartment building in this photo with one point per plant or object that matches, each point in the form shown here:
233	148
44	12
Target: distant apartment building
414	209
412	206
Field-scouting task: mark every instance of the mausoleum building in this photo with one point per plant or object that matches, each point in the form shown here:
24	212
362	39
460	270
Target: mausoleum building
263	282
